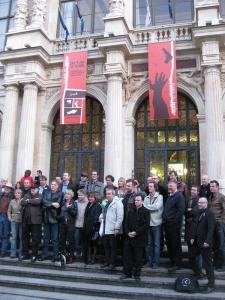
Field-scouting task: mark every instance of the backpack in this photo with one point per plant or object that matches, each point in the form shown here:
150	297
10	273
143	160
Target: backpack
186	284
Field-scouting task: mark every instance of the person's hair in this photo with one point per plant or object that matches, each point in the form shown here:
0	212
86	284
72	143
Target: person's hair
124	182
94	171
140	195
39	171
18	191
110	189
110	177
94	195
18	182
172	181
82	191
69	191
171	172
195	186
27	173
66	173
216	182
136	182
42	177
154	183
130	180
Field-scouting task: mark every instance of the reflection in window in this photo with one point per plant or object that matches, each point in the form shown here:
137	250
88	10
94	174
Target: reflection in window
92	11
156	12
222	8
7	11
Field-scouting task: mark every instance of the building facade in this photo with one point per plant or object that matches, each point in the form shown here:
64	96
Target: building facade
118	137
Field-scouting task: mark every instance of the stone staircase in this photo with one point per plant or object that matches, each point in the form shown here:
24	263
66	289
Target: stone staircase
45	280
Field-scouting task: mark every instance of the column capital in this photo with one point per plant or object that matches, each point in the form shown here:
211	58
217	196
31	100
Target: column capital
47	127
130	122
212	69
30	86
116	8
14	87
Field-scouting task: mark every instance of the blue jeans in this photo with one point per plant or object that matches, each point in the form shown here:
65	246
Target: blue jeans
16	230
4	232
51	232
154	245
78	240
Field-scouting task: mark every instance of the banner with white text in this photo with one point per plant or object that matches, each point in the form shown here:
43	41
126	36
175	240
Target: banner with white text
162	79
73	88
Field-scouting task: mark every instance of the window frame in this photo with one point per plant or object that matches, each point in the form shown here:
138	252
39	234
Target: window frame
153	8
8	18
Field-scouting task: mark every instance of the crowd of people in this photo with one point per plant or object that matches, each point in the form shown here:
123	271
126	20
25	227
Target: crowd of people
136	223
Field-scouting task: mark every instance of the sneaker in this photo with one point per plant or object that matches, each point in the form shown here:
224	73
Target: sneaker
34	258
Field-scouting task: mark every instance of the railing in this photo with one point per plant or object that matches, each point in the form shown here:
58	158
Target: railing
144	36
75	43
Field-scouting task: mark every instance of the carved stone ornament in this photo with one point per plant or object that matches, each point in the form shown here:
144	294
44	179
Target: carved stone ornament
38	12
51	91
20	18
194	79
116	7
131	84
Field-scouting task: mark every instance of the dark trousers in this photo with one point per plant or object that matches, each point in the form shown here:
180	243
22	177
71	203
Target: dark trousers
132	259
206	254
51	232
173	242
32	231
219	245
66	234
110	246
87	247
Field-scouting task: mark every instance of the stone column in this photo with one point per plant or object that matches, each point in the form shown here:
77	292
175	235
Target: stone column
116	7
25	155
45	154
113	127
128	146
38	13
214	123
20	18
8	132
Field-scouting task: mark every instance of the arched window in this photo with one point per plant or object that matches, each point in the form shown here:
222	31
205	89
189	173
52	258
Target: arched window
166	145
92	11
156	12
77	148
7	11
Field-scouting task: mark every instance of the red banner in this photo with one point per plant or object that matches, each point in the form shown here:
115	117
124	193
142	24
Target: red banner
73	89
162	79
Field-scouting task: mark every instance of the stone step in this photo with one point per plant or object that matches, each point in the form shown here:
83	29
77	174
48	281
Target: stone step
153	280
120	292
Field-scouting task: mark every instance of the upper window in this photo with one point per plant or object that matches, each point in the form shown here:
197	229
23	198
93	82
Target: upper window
156	12
92	11
7	10
222	8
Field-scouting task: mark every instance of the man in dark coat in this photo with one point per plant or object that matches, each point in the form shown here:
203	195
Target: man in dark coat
204	190
201	239
136	238
172	219
66	183
31	222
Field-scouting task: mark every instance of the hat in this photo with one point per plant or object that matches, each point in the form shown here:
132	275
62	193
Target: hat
9	185
84	174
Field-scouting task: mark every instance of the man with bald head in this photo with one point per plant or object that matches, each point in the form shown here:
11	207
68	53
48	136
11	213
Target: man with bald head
201	241
204	190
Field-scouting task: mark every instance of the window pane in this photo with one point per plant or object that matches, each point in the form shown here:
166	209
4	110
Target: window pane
222	8
161	12
183	10
13	8
142	17
4	8
3	26
86	11
67	11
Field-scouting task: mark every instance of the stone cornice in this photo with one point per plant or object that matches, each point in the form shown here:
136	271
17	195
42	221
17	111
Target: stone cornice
122	43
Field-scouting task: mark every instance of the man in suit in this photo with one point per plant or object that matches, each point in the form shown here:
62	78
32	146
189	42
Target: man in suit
43	187
136	238
201	240
172	219
66	183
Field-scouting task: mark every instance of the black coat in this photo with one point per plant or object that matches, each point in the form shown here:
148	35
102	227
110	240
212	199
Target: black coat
32	209
91	218
71	214
204	191
190	217
174	208
51	213
138	220
203	228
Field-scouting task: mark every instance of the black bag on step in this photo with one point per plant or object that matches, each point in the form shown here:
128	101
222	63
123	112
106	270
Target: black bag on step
186	284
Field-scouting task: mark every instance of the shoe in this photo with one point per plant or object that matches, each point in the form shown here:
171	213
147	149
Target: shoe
208	290
34	258
104	266
42	258
155	266
25	257
3	255
124	276
173	269
199	276
137	279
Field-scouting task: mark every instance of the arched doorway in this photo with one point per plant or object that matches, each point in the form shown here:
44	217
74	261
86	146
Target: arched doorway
164	145
77	148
